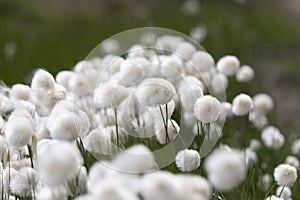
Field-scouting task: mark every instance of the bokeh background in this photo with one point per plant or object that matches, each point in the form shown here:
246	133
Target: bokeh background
55	34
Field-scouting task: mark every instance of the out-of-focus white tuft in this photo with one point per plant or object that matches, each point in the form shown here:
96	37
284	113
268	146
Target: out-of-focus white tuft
226	168
141	160
272	138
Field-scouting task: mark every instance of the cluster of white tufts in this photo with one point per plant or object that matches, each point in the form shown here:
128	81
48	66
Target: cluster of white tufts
98	131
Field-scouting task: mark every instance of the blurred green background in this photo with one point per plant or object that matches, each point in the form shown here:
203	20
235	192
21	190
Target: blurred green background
55	34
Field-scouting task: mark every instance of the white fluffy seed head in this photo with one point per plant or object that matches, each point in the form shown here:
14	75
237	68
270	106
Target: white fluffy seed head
51	193
228	65
136	50
285	193
185	50
251	157
263	104
207	109
42	80
23	182
226	168
110	189
296	147
171	67
141	160
285	175
155	92
63	78
201	62
272	138
189	96
293	161
245	74
255	144
160	185
67	121
18	131
20	92
97	142
242	105
131	72
226	111
265	182
187	160
108	95
219	83
196	187
168	42
57	162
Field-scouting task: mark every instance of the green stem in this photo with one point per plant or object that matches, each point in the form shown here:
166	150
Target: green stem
117	128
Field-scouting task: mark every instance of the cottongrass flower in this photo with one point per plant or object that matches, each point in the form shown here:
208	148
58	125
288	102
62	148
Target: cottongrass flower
196	187
185	50
171	67
98	172
198	33
42	80
168	42
296	147
255	144
263	104
251	157
226	111
201	61
284	192
245	74
131	72
265	182
285	175
67	121
272	138
187	160
228	65
18	131
111	189
155	91
293	161
219	83
226	168
207	109
5	103
190	89
57	162
109	95
160	185
242	105
23	183
141	160
51	193
97	142
63	78
20	92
